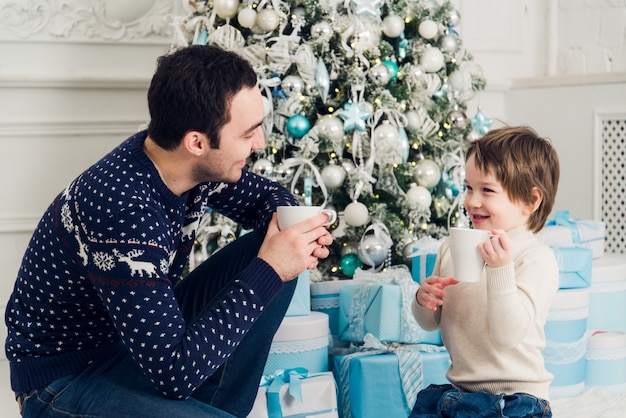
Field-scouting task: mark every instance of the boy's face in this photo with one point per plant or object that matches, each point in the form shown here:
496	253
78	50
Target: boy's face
488	204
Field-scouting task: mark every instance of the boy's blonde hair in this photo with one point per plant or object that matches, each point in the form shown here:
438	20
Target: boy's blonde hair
520	160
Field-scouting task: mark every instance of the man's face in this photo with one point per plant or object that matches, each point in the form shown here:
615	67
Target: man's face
238	138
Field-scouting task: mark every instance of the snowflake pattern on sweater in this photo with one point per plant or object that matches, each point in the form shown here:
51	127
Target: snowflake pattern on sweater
101	266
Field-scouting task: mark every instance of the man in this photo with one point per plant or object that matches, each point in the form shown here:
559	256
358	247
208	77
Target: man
100	322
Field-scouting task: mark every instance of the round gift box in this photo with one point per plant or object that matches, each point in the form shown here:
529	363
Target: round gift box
566	341
606	360
301	341
607	304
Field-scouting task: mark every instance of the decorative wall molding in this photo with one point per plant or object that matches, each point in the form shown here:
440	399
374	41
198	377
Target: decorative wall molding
71	128
87	20
570	80
22	225
15	82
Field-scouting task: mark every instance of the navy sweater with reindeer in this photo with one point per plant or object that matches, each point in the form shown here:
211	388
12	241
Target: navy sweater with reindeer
100	269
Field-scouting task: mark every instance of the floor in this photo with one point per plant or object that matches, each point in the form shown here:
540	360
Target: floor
8	406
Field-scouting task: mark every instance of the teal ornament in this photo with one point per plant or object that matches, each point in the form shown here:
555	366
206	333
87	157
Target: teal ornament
366	7
322	80
393	69
349	263
354	117
202	38
443	91
400	44
480	123
298	125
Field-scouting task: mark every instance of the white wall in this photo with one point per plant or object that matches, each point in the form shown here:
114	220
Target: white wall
73	77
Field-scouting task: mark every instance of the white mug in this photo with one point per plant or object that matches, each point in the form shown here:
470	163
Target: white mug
290	215
466	259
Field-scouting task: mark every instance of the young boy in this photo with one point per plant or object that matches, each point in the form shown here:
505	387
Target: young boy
493	329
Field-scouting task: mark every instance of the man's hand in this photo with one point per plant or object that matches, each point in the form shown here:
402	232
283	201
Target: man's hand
297	248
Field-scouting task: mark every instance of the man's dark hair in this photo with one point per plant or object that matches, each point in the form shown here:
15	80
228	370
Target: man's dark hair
192	90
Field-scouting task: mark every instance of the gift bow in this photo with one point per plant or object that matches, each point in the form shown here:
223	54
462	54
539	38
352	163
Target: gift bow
293	377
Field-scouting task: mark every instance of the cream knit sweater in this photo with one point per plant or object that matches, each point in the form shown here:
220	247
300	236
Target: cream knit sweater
493	329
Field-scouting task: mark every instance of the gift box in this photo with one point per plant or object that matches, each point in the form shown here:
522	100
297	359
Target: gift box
582	233
325	298
300	304
300	341
606	360
383	310
295	393
370	386
566	342
575	264
423	255
607	305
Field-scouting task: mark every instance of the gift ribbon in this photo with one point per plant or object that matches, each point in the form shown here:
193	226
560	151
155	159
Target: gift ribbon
396	275
301	163
561	218
293	377
409	365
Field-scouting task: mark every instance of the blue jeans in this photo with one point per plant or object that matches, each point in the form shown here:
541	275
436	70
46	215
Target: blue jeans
448	401
117	387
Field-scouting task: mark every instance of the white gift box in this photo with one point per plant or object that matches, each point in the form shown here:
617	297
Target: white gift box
316	397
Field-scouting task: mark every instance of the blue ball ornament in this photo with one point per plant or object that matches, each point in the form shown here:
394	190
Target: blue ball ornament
298	126
349	263
393	69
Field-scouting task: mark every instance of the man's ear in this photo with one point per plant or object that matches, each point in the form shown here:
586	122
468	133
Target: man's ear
195	143
537	198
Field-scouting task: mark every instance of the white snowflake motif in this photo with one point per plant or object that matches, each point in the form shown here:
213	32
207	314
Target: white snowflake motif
103	261
66	217
164	265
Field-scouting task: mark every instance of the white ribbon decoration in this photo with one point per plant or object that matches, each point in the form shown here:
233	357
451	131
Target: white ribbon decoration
301	163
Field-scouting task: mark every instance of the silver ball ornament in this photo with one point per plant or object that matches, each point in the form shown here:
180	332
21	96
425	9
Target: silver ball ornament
263	167
372	251
321	31
448	43
379	74
453	18
458	119
283	174
330	127
413	120
292	84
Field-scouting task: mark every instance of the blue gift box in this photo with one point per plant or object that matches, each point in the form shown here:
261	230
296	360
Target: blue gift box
325	298
301	301
575	265
382	315
422	266
375	387
606	360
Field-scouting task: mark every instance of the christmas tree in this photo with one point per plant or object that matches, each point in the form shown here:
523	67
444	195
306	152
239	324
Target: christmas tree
365	113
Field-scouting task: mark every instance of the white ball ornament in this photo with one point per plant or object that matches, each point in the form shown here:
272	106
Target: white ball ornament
247	17
356	214
413	120
226	8
267	106
393	26
419	196
333	175
427	173
428	29
457	80
330	127
267	20
431	60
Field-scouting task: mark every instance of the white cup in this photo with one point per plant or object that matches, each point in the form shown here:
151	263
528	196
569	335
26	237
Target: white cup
466	260
290	215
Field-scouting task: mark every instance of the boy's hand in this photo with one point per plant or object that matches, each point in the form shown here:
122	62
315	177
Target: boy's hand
497	250
431	292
